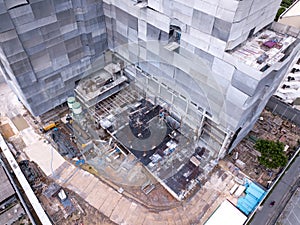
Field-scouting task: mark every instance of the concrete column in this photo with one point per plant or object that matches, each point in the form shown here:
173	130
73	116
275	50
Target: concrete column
223	149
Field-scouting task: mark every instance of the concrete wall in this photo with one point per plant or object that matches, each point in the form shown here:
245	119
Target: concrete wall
284	110
249	17
47	45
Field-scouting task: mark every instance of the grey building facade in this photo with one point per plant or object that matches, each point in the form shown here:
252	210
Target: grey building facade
46	47
210	80
199	57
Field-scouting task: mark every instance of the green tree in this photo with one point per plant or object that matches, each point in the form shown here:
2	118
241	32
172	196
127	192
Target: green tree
272	154
285	4
279	12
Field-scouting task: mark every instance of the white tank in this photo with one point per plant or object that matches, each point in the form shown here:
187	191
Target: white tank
71	101
76	108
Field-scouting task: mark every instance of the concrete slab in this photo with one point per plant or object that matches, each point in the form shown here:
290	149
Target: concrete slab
92	198
89	188
88	180
29	136
102	193
185	220
77	179
45	156
170	217
120	211
19	122
149	219
153	219
136	214
12	214
110	203
64	172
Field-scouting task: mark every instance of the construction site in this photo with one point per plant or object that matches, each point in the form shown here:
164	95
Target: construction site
137	141
142	106
138	146
130	136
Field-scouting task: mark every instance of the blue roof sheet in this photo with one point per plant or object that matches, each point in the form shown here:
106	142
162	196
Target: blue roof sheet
254	194
255	191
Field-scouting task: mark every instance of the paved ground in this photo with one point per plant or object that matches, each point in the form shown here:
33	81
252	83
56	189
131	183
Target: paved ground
281	194
291	213
122	210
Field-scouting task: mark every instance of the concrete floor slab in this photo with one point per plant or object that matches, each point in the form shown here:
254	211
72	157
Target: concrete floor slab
136	216
120	212
92	198
89	188
12	214
87	183
45	156
155	219
77	179
170	217
29	136
20	122
185	220
110	203
102	193
149	219
63	173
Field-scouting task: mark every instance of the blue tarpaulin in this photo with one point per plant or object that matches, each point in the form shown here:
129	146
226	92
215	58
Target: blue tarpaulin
255	191
254	195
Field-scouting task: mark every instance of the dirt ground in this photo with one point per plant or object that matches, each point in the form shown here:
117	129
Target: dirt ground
20	122
6	131
92	216
270	127
85	214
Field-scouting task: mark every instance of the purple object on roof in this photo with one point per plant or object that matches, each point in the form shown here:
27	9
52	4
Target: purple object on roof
270	43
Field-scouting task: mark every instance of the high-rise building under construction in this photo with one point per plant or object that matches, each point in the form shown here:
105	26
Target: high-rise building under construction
215	63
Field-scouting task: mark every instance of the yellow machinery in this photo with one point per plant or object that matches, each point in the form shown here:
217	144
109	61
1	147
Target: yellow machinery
49	126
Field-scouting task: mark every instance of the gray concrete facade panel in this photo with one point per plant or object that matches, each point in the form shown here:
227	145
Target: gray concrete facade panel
5	22
36	49
26	79
203	21
15	3
62	5
208	58
20	67
12	47
20	20
221	29
42	9
2	7
244	83
17	57
66	17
